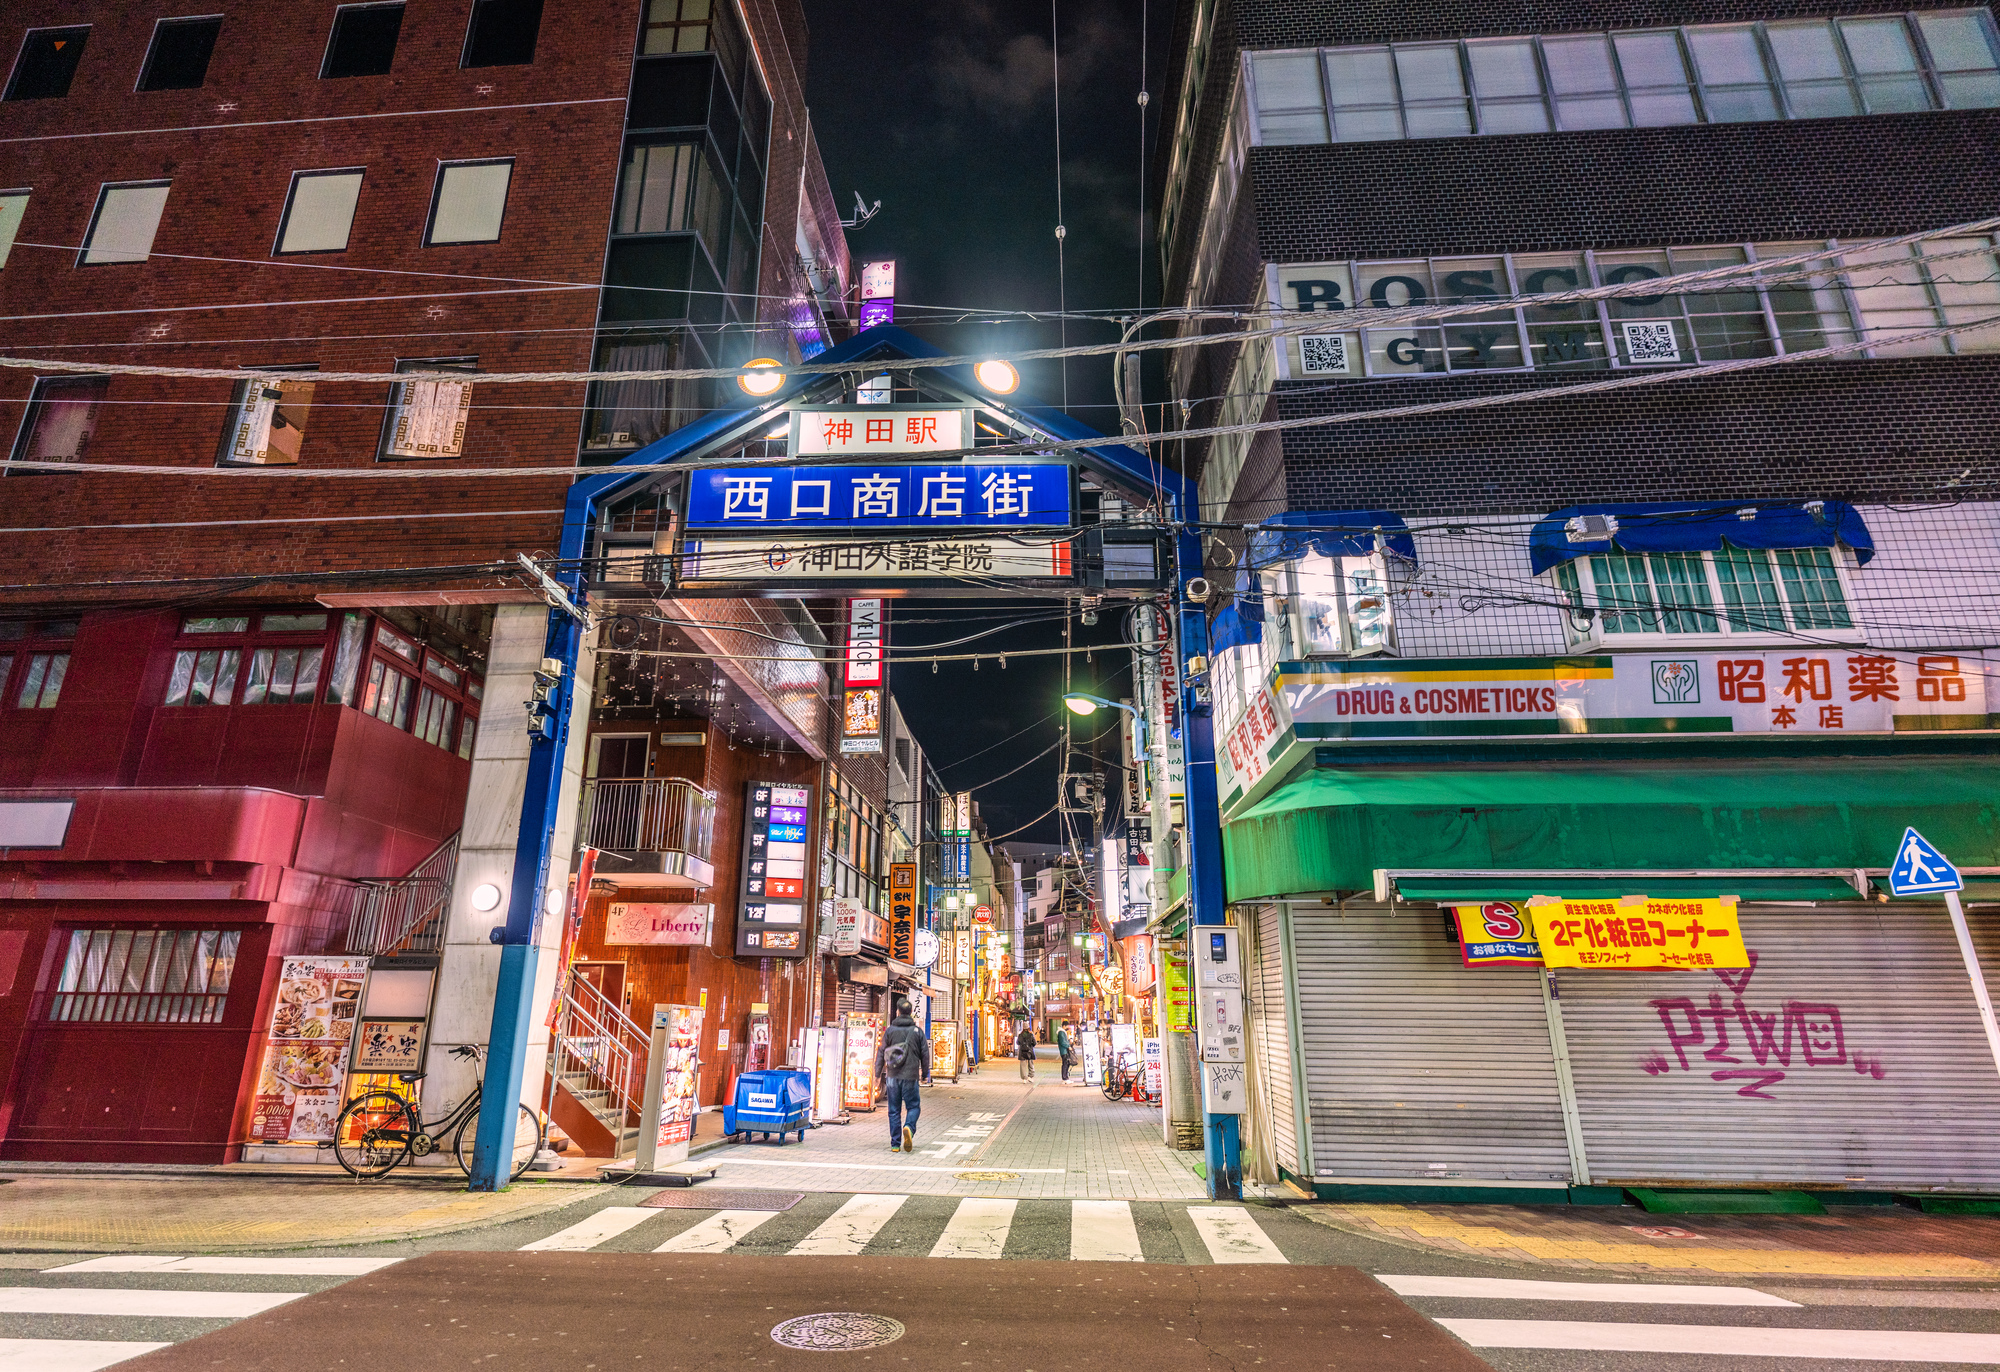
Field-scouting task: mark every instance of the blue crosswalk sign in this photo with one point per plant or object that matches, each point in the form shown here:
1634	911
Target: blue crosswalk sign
1920	869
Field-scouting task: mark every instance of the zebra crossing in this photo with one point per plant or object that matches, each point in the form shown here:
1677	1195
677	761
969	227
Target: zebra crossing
970	1227
93	1320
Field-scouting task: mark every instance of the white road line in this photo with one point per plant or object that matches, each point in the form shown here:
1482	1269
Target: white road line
67	1355
592	1230
1609	1293
105	1300
1232	1236
729	1160
718	1233
1103	1231
978	1229
234	1267
1850	1345
848	1230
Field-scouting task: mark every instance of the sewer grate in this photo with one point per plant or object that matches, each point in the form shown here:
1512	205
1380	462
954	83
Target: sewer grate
684	1198
988	1176
837	1331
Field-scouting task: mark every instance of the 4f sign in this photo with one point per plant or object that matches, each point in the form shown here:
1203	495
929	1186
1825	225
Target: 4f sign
1920	869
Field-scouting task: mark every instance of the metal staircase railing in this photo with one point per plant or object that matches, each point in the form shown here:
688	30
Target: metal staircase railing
406	915
596	1042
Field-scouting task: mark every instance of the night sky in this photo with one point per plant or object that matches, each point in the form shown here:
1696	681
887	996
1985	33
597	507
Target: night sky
945	113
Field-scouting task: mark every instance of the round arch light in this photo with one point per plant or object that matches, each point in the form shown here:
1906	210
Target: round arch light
485	897
765	379
997	376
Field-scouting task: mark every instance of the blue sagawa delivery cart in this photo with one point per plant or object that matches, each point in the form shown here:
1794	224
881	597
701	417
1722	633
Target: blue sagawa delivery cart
774	1102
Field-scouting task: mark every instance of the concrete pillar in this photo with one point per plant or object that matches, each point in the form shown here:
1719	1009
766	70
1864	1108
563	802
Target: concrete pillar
471	970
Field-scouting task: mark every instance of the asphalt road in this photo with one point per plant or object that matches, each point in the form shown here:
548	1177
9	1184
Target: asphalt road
1208	1286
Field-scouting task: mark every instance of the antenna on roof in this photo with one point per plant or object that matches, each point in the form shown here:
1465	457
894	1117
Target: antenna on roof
862	213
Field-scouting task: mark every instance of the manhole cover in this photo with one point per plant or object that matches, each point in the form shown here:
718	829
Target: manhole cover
989	1176
837	1331
688	1198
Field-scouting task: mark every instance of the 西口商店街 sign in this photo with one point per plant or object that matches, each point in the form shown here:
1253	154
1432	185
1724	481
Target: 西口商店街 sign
1637	932
886	495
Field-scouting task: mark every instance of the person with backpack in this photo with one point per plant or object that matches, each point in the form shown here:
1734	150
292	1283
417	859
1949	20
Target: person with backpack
1062	1049
901	1062
1024	1049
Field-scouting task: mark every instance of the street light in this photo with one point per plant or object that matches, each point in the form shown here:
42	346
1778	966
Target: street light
764	379
1084	703
997	376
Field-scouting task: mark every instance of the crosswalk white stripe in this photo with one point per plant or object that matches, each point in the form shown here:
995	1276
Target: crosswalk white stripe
1610	1293
1232	1236
718	1233
235	1267
67	1355
107	1300
1103	1231
592	1230
1852	1345
848	1230
978	1229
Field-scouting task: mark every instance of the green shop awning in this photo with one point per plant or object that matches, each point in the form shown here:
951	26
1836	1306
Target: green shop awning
1331	829
1469	890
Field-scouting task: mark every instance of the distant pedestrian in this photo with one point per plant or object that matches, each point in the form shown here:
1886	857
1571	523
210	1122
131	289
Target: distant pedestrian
1062	1049
1024	1049
900	1063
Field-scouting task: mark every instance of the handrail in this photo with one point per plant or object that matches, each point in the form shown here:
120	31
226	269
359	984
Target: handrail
405	915
648	814
599	1041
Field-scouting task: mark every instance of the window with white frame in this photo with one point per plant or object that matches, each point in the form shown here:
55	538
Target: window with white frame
1889	63
124	224
1862	293
276	662
267	420
1326	606
1730	591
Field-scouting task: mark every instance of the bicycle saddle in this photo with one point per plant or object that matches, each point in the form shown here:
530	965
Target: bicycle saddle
410	1076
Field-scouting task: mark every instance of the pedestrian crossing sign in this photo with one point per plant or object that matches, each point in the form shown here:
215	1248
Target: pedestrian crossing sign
1920	869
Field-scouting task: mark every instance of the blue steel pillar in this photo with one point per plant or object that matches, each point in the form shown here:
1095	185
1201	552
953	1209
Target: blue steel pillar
513	1000
1222	1147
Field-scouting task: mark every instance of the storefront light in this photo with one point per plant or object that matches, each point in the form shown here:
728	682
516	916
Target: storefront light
486	897
761	376
997	376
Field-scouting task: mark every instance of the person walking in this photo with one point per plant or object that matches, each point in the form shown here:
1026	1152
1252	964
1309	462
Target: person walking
903	1060
1024	1049
1062	1049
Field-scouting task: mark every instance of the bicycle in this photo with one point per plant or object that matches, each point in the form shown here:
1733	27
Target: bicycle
1119	1078
379	1130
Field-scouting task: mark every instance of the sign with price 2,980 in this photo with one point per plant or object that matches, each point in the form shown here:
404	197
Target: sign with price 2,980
903	912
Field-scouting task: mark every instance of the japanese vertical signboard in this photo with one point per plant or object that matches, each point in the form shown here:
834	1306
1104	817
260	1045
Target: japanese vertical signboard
777	824
672	1085
305	1063
861	704
944	1048
858	1071
903	912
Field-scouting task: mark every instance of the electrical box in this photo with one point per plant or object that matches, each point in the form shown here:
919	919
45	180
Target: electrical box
1224	1088
1214	949
1219	1023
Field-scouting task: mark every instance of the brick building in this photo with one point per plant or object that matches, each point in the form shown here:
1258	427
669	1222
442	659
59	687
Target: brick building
268	703
1714	636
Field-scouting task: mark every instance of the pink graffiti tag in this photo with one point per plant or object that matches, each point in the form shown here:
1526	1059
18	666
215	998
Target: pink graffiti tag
1801	1033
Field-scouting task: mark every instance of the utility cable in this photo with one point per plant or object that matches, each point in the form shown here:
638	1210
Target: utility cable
1062	231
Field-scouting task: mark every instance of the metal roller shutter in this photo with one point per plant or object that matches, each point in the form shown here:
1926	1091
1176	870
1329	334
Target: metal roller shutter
1271	1036
1851	1053
1415	1066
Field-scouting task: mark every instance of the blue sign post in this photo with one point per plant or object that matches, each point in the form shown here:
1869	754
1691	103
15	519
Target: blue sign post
1921	870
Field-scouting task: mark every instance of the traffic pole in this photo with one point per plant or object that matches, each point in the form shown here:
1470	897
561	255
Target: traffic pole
1971	956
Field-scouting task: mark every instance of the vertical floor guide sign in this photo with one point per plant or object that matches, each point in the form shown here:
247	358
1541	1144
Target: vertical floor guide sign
1921	870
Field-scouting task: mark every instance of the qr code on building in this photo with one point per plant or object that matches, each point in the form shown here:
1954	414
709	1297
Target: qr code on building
1651	343
1323	352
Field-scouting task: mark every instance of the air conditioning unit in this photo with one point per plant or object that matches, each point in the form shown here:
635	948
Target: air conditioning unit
1592	528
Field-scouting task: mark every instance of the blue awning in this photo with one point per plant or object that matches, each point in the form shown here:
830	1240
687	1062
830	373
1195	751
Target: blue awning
1330	533
1241	621
1704	527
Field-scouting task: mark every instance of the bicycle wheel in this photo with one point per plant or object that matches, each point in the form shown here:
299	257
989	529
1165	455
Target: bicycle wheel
373	1133
527	1141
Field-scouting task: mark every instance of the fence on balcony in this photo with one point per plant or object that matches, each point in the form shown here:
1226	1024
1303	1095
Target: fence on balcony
648	814
407	915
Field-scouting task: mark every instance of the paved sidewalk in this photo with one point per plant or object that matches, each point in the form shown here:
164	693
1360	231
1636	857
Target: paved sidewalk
990	1134
1857	1244
214	1214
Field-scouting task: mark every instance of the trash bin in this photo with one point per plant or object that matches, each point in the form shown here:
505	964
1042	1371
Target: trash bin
773	1102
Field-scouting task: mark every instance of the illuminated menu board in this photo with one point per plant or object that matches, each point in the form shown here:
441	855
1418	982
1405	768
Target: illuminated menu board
777	835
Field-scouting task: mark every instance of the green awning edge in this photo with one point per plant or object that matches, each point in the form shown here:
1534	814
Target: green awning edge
1475	891
1331	828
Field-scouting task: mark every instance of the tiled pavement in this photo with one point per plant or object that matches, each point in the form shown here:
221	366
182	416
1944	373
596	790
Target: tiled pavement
989	1134
1867	1243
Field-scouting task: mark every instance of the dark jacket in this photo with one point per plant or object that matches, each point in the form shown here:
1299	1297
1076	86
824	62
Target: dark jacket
916	1052
1024	1045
